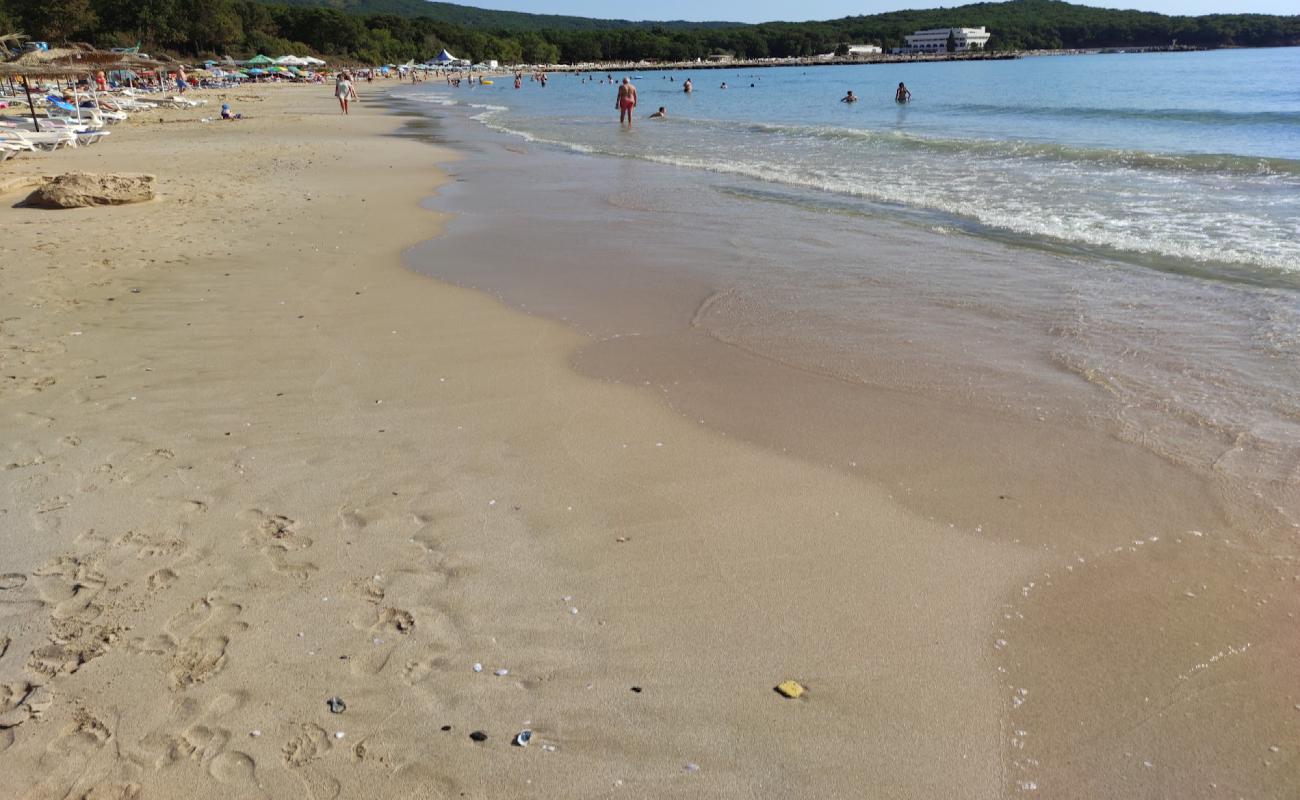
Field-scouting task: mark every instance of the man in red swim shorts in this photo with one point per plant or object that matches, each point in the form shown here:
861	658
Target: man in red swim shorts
626	101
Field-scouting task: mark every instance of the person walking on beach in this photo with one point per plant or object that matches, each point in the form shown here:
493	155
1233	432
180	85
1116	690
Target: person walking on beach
344	91
902	95
626	101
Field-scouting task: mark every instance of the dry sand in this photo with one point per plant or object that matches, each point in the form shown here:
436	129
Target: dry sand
250	463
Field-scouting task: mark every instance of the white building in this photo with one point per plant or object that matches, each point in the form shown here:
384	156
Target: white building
856	50
935	40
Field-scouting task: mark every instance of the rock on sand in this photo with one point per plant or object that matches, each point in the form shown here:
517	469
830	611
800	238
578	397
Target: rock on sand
78	189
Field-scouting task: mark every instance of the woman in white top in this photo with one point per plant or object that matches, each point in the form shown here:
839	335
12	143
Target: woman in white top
344	92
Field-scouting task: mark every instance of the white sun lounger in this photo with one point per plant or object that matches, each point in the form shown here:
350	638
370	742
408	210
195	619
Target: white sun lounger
44	140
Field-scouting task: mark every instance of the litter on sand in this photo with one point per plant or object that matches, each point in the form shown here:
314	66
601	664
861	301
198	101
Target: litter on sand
523	738
478	736
336	705
791	689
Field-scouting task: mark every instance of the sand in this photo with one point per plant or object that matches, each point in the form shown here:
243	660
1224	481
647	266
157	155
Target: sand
252	463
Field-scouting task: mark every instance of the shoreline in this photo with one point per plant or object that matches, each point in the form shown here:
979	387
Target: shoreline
245	451
291	468
1118	538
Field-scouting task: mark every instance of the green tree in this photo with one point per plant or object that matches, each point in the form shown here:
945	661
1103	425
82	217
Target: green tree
58	20
952	42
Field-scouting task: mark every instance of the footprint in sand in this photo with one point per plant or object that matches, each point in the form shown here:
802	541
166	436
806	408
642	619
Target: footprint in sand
202	634
193	733
419	670
393	621
83	735
368	589
160	580
277	537
17	599
196	640
70	585
22	701
114	791
234	767
149	545
308	744
73	645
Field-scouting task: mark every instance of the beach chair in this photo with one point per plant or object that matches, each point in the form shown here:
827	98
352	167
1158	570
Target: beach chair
44	140
10	149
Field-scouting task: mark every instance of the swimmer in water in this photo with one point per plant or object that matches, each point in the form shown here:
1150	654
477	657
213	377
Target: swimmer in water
660	114
902	95
849	98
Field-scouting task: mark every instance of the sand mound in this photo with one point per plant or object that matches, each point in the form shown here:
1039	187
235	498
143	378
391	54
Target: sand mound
78	189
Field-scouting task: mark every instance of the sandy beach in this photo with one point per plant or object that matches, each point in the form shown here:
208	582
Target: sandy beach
250	463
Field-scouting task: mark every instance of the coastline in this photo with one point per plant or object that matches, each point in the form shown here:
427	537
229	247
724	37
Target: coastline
286	431
1155	574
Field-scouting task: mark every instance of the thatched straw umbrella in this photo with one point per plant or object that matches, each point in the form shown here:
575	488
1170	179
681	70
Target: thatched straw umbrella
66	62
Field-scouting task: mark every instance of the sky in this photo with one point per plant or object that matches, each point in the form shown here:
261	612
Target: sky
766	10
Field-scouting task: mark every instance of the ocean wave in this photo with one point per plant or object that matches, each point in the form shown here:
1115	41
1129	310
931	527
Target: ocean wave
1210	163
1168	236
1196	116
1238	258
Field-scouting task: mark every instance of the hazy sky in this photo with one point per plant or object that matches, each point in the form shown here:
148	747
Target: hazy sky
763	10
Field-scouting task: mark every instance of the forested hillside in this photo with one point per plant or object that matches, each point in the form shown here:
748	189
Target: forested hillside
196	28
489	19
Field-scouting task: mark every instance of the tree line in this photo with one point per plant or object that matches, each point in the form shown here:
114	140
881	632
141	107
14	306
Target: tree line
200	28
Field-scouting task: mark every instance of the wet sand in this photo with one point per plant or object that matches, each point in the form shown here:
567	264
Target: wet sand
963	411
288	469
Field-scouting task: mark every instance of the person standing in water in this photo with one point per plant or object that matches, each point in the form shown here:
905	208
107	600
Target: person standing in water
849	98
687	87
626	101
902	95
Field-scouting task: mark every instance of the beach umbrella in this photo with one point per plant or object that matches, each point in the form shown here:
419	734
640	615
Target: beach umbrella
444	57
256	71
259	59
65	62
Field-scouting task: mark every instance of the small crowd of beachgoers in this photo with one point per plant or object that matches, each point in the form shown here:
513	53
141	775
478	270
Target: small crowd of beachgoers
43	114
626	100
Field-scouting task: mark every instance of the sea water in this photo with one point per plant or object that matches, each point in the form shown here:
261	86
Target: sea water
1111	239
1189	156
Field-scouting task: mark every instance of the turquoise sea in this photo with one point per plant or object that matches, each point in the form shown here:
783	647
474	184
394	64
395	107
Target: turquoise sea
1191	156
1109	239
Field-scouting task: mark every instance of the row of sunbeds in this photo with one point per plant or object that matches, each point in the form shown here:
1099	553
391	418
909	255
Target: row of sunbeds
60	123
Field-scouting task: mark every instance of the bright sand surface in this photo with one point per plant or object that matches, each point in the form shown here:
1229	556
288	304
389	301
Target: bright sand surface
251	463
